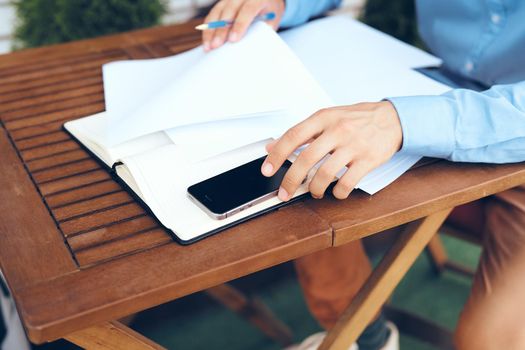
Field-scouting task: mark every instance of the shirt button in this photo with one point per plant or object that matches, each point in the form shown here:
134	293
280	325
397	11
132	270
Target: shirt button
495	18
469	66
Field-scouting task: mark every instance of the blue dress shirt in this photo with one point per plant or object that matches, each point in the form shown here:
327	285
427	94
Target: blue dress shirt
481	41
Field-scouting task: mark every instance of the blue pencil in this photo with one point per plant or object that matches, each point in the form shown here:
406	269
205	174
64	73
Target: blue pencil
221	24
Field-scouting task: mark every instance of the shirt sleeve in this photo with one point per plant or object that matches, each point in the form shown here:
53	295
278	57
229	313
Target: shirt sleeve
299	11
466	126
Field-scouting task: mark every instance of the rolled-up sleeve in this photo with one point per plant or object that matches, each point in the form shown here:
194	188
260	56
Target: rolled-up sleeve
299	11
464	125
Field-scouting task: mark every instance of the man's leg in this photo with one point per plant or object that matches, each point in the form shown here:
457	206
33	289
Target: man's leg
331	278
494	315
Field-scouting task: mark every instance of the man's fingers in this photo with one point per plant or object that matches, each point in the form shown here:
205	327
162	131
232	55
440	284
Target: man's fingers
327	172
308	158
213	15
346	184
229	13
289	142
245	17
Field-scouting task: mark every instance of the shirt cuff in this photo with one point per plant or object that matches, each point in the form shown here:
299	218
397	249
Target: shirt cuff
428	124
289	18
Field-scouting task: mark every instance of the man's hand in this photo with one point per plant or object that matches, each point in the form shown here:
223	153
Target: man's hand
242	12
361	136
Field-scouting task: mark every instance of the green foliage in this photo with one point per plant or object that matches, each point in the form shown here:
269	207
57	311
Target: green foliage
395	17
43	22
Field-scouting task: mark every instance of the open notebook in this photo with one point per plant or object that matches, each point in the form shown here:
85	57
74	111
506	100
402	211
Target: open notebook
172	122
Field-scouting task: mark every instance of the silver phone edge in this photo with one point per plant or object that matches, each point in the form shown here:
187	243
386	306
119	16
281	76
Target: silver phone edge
234	211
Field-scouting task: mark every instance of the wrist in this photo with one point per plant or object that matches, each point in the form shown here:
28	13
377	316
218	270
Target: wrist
388	120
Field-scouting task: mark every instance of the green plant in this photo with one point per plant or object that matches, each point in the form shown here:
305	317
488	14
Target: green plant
397	18
43	22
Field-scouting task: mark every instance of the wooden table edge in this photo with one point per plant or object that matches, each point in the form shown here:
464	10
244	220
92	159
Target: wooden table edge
53	330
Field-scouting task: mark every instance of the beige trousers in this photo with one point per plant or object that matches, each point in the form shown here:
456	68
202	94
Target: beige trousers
494	315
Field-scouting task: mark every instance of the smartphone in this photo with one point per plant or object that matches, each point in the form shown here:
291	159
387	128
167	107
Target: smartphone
237	189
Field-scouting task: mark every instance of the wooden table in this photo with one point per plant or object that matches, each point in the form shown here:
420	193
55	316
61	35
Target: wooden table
79	253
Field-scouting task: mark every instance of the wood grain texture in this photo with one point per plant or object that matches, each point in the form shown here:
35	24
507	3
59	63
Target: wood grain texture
123	286
32	248
112	336
126	262
419	192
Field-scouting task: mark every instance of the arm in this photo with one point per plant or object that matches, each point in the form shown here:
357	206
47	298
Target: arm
467	126
299	11
461	125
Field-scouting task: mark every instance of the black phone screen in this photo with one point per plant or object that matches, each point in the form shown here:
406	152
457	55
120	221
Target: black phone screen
237	187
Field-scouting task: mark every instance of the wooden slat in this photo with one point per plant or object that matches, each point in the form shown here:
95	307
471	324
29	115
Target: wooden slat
112	232
42	140
101	219
178	48
23	89
110	336
32	249
53	120
61	69
122	247
158	49
64	171
41	102
91	205
122	286
73	182
49	150
57	160
83	193
138	52
81	80
35	111
45	64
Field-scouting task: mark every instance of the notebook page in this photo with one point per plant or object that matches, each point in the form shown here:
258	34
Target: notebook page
257	75
164	176
210	139
91	130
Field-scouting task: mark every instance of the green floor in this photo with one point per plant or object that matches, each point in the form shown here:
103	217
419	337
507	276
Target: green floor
197	322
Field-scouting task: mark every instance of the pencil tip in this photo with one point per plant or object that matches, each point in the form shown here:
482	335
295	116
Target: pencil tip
202	27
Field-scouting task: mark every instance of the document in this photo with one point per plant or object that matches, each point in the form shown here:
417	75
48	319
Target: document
256	77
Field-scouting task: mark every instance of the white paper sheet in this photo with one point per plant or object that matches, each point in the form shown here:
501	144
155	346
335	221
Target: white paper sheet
255	77
355	63
210	139
365	43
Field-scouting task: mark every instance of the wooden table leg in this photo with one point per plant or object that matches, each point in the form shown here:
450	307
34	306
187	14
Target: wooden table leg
394	265
112	336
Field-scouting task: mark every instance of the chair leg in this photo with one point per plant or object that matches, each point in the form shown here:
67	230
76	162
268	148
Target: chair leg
253	310
112	336
385	277
440	260
437	254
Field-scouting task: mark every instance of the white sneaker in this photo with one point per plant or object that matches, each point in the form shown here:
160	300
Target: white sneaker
314	341
392	342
